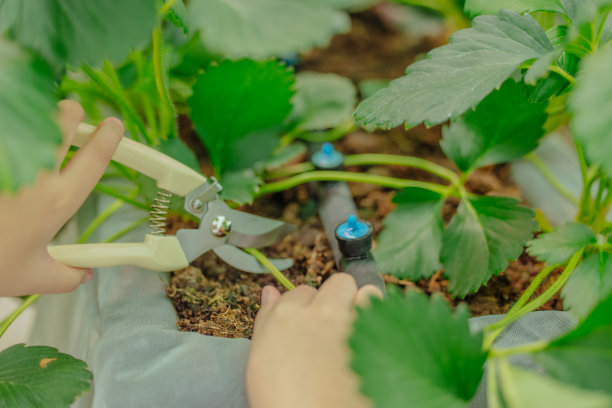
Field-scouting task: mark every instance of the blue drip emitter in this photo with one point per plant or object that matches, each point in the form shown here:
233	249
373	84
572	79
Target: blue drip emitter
327	158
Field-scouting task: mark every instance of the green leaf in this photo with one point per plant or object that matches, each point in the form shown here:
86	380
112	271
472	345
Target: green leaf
457	76
525	389
250	151
369	87
236	98
41	376
478	7
539	69
486	233
265	28
583	11
79	32
286	155
411	351
345	4
240	186
27	115
606	34
322	101
504	126
589	284
591	106
178	15
409	244
557	246
583	357
178	150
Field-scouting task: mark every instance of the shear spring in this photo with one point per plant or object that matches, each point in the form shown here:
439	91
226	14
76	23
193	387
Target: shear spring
159	212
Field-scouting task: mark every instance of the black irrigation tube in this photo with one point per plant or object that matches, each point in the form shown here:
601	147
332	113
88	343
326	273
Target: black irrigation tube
336	204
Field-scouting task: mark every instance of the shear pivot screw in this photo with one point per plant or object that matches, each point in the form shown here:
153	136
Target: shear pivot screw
196	205
221	226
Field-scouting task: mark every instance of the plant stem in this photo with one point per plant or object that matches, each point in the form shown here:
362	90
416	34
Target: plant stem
113	193
130	115
166	7
96	222
330	135
167	113
282	279
127	229
541	166
558	70
523	348
582	161
407	161
492	387
535	284
536	303
290	170
24	305
125	171
390	182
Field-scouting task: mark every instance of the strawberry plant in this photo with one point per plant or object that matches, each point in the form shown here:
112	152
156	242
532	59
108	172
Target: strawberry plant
217	65
501	86
149	61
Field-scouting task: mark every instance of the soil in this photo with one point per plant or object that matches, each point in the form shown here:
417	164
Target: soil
213	298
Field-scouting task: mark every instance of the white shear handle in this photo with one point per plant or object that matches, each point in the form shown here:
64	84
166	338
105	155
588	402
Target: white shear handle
156	253
170	174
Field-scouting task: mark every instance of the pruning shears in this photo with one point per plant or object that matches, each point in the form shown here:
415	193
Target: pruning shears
221	229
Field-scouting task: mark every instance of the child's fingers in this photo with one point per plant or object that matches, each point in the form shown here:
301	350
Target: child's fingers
70	115
300	296
269	297
89	163
362	298
337	292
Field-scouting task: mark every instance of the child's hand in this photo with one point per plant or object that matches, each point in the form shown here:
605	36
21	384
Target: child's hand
32	217
299	356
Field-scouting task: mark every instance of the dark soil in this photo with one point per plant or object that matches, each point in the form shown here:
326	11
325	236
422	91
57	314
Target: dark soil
214	299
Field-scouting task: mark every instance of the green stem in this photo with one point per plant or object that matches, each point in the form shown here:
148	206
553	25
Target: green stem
167	113
330	135
287	138
166	7
125	171
602	25
113	193
290	170
131	116
406	161
145	100
390	182
541	166
96	222
533	286
523	348
316	137
537	302
558	70
492	387
127	229
582	161
24	305
282	279
586	198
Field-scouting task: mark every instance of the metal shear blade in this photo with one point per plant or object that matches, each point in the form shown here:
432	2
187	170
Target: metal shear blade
241	230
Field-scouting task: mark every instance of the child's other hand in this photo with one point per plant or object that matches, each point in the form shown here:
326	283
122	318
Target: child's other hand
30	218
299	356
